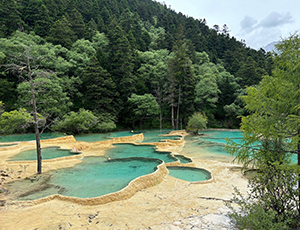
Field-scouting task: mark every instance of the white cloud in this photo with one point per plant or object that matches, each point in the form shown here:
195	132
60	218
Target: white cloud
248	24
260	33
275	19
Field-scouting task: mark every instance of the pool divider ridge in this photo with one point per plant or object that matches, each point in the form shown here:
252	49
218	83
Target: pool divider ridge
134	186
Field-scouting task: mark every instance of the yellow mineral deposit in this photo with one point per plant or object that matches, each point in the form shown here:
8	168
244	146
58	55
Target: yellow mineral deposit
153	201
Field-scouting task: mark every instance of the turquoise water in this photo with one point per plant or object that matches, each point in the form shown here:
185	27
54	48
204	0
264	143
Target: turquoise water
189	173
149	135
214	142
145	151
47	153
153	135
221	136
94	177
183	159
28	137
92	137
1	146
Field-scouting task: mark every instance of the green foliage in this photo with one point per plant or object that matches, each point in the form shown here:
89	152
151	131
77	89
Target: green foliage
197	122
133	43
10	18
271	136
100	89
61	33
1	107
75	123
273	108
52	100
272	201
105	123
144	105
16	121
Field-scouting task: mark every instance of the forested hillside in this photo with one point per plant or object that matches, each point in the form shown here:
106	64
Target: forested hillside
90	59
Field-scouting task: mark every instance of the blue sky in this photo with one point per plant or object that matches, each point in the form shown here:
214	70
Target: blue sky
259	22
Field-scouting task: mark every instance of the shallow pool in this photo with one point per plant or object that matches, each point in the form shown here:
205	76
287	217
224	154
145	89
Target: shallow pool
2	146
189	173
47	153
222	136
95	176
28	137
149	135
145	151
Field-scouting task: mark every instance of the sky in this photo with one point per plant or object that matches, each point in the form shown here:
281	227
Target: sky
258	22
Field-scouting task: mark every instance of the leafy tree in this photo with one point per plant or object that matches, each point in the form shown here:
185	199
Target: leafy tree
75	123
1	107
154	72
26	58
196	122
271	137
273	105
52	100
16	121
143	106
181	71
79	55
83	121
207	92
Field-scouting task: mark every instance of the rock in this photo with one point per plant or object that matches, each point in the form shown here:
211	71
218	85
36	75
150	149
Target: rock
91	216
2	202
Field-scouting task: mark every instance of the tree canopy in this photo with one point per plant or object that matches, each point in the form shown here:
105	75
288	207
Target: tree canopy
98	53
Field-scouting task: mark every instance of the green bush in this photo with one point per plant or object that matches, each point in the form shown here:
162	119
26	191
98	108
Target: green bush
82	122
16	121
196	122
272	202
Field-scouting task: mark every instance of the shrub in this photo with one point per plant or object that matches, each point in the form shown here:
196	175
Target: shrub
196	122
273	199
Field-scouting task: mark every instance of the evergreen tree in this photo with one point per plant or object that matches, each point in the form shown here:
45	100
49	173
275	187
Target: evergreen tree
36	17
90	30
61	33
99	89
122	62
77	23
10	18
184	76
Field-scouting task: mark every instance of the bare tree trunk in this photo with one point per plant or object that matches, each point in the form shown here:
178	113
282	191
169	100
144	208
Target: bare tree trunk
37	133
178	106
160	118
172	118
